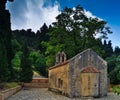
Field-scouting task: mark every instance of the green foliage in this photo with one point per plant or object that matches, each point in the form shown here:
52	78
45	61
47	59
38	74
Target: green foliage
4	70
50	52
117	50
16	46
24	35
41	36
116	89
16	61
74	32
107	47
114	68
5	43
39	62
26	68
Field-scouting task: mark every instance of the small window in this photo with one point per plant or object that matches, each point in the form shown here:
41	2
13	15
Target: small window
60	83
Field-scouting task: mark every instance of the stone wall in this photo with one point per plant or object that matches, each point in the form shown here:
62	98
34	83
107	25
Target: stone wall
37	83
69	74
101	65
9	92
59	79
85	59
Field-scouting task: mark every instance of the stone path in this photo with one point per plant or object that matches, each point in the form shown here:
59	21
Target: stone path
44	94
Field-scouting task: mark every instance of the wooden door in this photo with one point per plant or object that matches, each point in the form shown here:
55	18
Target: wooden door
84	85
90	84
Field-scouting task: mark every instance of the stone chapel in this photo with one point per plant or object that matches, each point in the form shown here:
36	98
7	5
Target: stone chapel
84	75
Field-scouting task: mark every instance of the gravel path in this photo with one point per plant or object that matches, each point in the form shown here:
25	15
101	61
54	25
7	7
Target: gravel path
44	94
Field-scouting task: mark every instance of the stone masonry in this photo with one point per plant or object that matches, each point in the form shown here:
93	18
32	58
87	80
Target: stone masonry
84	75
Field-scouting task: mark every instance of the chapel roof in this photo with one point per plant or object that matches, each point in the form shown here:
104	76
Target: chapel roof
59	65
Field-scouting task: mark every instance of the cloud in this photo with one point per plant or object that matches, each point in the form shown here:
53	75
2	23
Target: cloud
32	13
89	14
18	10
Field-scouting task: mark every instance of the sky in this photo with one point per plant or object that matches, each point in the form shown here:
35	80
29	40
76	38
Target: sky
34	13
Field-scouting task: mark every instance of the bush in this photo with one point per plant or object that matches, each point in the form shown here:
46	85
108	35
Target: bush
116	89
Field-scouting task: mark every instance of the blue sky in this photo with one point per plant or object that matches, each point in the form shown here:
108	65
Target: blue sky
107	10
33	13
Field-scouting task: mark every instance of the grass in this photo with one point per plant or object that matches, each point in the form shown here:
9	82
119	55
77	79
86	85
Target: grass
4	86
11	85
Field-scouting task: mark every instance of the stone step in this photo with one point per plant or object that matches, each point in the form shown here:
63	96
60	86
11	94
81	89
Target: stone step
40	80
36	85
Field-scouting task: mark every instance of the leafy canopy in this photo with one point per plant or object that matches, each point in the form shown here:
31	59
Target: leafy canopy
74	32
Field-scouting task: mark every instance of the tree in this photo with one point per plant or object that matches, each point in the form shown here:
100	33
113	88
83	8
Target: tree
39	62
5	36
26	68
117	50
4	70
22	35
41	35
16	46
107	47
74	32
114	68
16	61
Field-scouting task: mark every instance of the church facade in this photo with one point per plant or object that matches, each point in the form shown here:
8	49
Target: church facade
84	75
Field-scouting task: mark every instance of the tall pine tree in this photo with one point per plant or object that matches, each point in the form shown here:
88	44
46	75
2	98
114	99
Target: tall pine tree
4	71
26	67
5	41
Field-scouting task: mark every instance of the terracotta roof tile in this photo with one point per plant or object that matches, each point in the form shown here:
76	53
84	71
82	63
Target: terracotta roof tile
59	65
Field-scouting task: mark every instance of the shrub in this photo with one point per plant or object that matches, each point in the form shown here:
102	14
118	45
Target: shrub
116	89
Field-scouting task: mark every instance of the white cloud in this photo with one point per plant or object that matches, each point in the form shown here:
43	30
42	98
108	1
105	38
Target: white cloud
35	14
89	14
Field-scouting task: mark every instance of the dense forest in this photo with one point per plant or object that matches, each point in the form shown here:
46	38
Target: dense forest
72	33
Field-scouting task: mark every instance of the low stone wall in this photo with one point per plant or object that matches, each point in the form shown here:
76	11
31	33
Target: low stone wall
40	80
1	95
38	83
9	92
